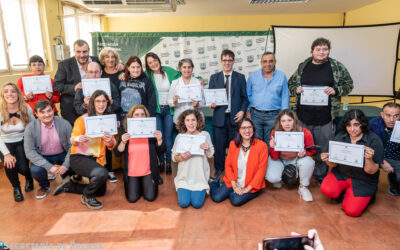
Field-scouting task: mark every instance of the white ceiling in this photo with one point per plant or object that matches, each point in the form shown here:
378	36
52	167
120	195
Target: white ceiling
242	7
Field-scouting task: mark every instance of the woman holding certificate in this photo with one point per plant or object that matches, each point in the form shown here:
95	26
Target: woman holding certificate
245	167
280	156
185	92
15	114
353	183
191	149
136	88
36	64
141	175
162	77
88	153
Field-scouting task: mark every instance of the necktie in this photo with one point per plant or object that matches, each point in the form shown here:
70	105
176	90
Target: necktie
227	85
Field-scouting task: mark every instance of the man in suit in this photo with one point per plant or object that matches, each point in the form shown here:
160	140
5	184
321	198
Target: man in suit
225	117
68	78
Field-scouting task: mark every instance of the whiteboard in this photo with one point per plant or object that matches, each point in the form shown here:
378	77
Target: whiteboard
368	53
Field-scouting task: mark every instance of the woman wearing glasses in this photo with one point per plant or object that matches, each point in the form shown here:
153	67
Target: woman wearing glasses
245	167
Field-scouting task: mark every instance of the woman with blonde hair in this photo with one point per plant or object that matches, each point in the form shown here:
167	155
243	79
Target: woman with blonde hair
15	114
110	59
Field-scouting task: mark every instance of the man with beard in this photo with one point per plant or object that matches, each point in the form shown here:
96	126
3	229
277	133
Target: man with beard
320	70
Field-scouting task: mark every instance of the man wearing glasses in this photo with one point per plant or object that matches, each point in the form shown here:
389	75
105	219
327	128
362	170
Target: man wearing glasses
383	127
226	117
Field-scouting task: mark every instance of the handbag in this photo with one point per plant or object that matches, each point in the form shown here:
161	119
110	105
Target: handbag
289	174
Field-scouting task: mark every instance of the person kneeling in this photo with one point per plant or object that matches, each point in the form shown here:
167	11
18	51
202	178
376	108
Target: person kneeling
191	181
141	173
245	167
353	185
287	121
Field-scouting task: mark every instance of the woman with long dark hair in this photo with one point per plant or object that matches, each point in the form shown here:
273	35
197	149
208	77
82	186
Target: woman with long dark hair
245	167
355	186
162	77
15	114
88	154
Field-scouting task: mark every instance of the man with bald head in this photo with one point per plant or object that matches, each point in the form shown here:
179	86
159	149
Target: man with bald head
68	78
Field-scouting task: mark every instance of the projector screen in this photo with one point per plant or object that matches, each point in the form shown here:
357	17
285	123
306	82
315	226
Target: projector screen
368	52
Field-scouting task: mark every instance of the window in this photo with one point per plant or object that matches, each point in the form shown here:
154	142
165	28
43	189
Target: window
78	24
20	34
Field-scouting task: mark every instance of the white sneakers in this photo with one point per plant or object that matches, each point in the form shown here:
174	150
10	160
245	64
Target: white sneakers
305	194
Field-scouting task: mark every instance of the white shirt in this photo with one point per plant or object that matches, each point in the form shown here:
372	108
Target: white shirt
162	85
242	166
82	72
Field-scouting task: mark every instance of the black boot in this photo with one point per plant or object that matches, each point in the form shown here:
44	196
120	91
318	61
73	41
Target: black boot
393	185
18	194
168	168
161	167
159	180
29	185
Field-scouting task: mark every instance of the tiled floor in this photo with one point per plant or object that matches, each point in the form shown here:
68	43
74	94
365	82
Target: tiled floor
62	222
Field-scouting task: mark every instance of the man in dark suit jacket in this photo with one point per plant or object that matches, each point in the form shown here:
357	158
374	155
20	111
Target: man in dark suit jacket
69	76
225	117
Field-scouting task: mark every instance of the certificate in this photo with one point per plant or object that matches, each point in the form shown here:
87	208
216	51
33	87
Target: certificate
96	125
91	85
37	84
314	96
289	141
141	127
396	133
217	96
346	154
190	143
187	93
163	98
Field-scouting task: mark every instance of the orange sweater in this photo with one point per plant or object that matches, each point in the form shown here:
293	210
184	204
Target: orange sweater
256	165
95	147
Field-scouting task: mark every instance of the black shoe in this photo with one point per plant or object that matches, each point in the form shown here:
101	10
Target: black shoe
18	194
372	200
76	177
393	185
159	180
91	203
29	185
161	167
217	173
63	187
168	169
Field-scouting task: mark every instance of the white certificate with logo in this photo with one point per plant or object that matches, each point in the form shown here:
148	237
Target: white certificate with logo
346	154
37	84
96	125
314	96
190	143
217	96
289	141
396	133
163	98
190	92
91	85
141	127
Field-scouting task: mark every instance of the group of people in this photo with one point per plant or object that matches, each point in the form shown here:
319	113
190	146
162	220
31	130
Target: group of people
256	109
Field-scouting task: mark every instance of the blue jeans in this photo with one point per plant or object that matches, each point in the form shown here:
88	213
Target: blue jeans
263	123
219	192
165	125
40	173
187	197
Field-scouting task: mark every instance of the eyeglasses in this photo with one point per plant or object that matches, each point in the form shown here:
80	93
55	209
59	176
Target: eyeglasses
246	128
227	61
94	72
100	101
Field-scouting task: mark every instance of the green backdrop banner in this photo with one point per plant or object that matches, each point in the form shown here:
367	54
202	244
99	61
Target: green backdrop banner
204	48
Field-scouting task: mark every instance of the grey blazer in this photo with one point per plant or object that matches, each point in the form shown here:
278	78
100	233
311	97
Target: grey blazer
33	143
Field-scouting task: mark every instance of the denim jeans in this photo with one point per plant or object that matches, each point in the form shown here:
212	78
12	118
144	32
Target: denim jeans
187	197
165	125
219	192
263	123
40	173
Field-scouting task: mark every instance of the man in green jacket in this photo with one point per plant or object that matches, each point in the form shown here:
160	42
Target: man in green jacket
330	76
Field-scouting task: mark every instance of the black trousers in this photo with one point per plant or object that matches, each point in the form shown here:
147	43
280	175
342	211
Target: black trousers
21	166
222	137
136	186
87	166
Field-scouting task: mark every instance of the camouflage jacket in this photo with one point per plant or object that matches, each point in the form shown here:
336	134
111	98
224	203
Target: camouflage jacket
342	83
